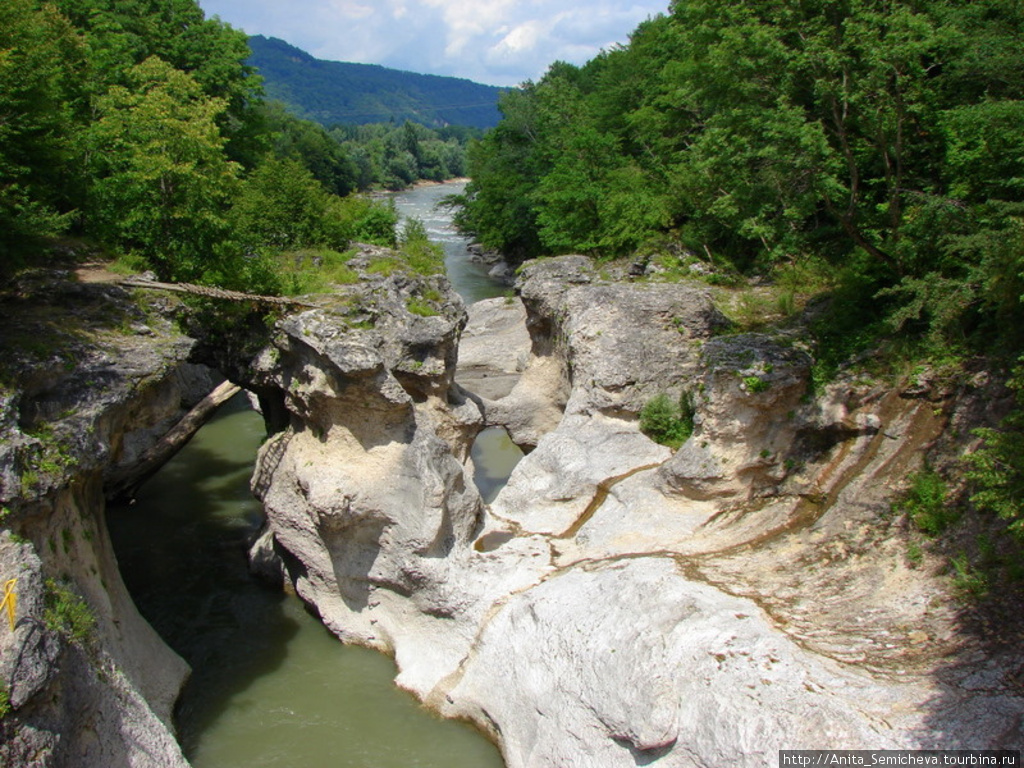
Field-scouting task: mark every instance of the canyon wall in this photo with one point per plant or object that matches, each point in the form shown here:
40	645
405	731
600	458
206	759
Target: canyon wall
619	603
91	378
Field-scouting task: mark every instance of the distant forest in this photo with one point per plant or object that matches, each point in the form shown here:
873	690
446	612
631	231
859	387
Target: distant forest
334	92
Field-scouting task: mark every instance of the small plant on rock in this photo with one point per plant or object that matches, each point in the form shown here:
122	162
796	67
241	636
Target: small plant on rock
666	422
926	503
67	613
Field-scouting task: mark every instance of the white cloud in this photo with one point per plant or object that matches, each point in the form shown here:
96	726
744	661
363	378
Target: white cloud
502	42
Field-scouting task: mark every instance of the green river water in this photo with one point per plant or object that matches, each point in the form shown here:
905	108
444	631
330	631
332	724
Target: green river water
270	686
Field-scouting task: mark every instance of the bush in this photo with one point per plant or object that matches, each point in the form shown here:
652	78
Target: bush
668	423
997	467
755	384
423	256
926	503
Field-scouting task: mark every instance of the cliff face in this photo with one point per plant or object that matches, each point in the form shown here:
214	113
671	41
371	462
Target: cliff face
90	379
619	604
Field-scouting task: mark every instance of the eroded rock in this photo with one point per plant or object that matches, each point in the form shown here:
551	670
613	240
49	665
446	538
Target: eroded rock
619	604
83	400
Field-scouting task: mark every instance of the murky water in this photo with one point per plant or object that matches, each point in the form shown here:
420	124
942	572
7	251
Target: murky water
494	457
270	686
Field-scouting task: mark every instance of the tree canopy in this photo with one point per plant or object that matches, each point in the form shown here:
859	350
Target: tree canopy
764	131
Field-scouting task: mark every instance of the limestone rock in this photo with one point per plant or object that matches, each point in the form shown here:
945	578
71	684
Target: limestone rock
494	348
632	663
92	392
618	604
750	389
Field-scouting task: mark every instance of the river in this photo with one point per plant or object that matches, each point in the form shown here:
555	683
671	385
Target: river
271	688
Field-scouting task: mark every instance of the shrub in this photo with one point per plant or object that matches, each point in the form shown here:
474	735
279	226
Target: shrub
423	256
668	423
997	468
926	503
755	384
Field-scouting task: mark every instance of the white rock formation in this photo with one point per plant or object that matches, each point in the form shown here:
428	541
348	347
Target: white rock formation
617	605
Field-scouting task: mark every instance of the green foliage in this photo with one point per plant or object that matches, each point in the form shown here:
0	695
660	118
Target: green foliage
422	256
968	580
314	271
880	139
666	422
851	322
755	384
395	156
421	307
67	613
282	206
309	144
139	124
121	34
997	467
40	91
162	183
927	504
914	554
5	701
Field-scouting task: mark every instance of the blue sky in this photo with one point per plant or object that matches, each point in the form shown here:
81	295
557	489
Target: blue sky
498	42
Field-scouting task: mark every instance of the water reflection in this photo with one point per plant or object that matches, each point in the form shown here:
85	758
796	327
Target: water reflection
494	457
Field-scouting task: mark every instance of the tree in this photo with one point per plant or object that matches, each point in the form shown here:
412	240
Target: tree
162	183
310	144
281	206
504	166
121	34
40	62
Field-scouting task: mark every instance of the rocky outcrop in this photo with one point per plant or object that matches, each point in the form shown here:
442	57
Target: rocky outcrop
91	378
618	604
494	348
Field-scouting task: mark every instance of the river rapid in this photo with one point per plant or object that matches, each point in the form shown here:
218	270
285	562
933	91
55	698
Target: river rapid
270	686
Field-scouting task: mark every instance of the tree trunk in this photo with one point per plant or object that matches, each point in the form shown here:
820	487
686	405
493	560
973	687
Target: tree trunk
122	485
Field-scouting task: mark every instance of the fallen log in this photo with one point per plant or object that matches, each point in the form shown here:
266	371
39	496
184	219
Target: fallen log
211	292
122	485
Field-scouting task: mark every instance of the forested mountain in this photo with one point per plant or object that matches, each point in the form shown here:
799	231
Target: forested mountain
334	92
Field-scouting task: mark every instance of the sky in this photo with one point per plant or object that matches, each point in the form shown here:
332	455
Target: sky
497	42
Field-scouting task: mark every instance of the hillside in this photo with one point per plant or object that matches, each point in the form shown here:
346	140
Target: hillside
332	92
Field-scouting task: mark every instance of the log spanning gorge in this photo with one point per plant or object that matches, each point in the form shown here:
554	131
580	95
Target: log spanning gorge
615	603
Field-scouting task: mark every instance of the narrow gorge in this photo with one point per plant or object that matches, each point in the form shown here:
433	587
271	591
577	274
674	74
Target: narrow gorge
618	603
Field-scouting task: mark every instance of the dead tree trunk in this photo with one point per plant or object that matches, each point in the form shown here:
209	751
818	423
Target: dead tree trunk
122	485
